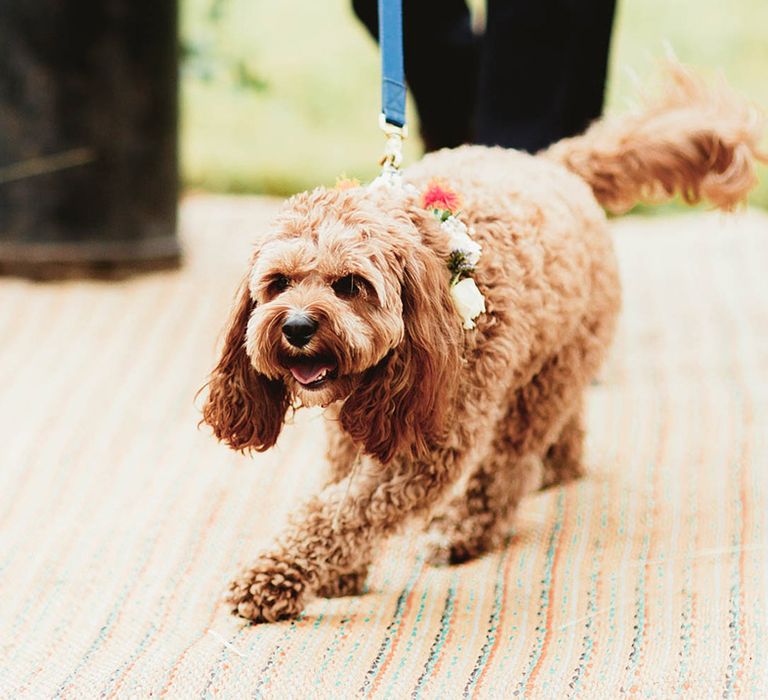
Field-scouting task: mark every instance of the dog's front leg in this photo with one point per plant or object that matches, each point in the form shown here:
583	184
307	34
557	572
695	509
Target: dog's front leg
335	533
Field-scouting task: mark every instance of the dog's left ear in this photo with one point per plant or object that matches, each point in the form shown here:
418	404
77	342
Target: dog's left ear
245	408
405	402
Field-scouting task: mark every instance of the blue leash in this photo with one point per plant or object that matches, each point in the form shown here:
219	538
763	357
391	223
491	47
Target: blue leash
392	71
392	118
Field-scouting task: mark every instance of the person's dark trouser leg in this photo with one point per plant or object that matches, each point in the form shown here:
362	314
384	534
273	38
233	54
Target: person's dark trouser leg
441	55
542	70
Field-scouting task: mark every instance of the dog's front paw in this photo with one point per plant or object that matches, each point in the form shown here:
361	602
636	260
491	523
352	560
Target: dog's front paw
271	590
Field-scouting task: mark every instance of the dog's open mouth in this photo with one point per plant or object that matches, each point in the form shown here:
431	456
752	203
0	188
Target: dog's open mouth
312	372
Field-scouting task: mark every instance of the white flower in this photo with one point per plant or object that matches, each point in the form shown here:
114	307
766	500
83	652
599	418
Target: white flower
468	300
389	179
459	239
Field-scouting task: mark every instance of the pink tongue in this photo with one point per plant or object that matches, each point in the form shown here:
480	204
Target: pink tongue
306	374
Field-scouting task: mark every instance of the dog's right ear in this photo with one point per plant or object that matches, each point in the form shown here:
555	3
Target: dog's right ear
245	408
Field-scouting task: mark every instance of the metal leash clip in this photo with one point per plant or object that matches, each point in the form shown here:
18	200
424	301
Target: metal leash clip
393	149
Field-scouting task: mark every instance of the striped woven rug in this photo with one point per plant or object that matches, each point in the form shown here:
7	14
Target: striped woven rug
121	523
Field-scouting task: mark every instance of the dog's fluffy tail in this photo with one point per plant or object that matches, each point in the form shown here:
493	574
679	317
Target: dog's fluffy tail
696	140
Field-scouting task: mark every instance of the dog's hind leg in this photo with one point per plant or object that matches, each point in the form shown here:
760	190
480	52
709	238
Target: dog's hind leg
563	460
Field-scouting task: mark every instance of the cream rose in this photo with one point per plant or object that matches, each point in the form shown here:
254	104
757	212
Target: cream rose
468	300
459	239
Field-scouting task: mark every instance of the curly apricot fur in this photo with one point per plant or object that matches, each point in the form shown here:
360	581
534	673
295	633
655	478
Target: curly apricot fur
425	418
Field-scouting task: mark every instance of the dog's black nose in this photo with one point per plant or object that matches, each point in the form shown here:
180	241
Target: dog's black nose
298	329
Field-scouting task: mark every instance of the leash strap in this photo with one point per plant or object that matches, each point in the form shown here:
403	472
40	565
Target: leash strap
392	117
392	70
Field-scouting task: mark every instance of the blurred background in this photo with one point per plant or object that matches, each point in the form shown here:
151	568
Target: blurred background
110	111
280	97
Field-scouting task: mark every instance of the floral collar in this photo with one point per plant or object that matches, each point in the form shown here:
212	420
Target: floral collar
445	204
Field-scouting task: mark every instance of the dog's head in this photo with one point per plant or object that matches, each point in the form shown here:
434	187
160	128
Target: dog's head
347	299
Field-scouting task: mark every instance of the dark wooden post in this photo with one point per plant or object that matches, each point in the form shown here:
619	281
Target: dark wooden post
88	131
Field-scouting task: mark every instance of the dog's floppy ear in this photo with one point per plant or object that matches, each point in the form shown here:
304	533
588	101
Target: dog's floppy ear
404	403
245	408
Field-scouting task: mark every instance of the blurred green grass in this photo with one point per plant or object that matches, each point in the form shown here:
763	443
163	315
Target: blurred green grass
279	97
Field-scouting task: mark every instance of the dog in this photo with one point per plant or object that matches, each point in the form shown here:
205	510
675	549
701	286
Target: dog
347	305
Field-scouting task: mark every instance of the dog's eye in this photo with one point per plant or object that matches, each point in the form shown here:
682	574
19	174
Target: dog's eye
348	286
278	284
